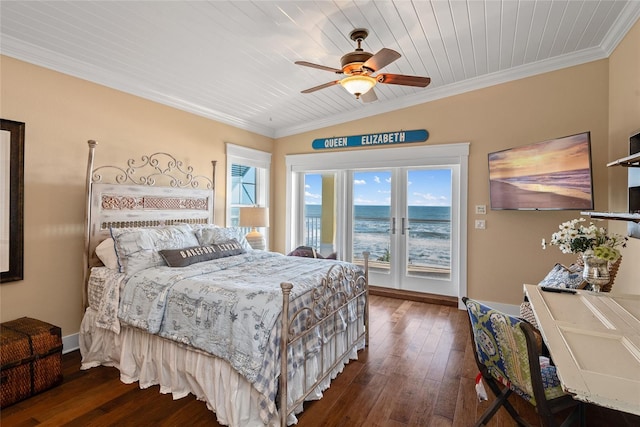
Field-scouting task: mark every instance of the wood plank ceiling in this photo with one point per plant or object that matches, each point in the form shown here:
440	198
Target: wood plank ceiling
233	61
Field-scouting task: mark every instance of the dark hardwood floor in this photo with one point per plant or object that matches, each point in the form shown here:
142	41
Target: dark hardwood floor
417	371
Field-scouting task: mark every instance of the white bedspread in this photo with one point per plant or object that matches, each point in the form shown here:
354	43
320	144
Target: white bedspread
227	308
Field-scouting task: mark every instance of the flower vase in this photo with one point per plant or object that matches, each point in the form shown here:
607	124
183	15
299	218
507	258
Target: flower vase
595	272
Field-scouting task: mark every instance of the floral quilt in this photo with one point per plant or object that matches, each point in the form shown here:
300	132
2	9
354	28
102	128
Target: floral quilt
227	307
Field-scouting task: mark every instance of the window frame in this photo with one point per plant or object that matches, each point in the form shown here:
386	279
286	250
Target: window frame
244	156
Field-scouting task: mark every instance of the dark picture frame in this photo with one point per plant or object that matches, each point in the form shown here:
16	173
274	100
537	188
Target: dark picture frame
15	208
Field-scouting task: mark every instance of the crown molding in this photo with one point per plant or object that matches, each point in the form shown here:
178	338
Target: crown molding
32	54
628	17
42	57
481	82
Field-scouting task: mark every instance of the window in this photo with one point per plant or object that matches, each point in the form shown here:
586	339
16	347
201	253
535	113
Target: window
244	189
248	172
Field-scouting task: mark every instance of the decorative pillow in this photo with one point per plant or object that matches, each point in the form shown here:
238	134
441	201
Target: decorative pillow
106	252
197	227
212	234
305	252
309	252
563	277
188	256
138	248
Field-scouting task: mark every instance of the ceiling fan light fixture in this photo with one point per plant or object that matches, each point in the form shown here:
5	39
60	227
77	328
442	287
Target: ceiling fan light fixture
358	85
358	66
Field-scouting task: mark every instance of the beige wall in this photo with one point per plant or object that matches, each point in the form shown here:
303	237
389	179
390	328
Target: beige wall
61	113
624	120
508	253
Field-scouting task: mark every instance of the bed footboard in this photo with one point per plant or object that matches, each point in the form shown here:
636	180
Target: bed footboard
339	294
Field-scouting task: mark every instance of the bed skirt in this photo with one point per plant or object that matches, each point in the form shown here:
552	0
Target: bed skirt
180	370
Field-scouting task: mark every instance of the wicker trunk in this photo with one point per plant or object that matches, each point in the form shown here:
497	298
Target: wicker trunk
30	359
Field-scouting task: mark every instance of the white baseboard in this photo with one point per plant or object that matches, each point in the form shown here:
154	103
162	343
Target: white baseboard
513	310
70	343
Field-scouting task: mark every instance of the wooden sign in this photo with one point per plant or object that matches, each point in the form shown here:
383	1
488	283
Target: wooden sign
383	138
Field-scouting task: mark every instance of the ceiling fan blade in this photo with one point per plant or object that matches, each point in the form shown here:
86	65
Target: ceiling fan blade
381	59
315	88
320	67
399	79
369	96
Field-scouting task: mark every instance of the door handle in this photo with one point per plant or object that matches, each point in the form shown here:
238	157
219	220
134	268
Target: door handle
393	225
403	227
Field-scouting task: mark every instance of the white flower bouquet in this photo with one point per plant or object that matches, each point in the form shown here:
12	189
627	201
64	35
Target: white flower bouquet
576	236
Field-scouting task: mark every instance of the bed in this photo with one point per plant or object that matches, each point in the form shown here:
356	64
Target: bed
175	301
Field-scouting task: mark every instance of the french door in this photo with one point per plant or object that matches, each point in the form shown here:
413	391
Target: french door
407	206
403	217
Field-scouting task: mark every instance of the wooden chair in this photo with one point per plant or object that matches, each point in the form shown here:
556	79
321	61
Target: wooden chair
507	352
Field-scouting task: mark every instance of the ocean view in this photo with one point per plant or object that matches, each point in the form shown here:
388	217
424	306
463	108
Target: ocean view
429	239
573	183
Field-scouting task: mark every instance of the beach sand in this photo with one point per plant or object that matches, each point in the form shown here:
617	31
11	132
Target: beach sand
507	196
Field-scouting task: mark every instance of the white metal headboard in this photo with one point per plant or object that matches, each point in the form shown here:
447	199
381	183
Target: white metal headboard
156	190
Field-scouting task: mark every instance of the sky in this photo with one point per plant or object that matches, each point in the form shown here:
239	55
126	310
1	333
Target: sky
426	187
561	154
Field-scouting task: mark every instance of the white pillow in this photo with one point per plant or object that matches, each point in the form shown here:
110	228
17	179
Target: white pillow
209	235
106	252
138	248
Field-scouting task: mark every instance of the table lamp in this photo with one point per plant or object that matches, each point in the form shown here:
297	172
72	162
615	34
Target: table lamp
254	217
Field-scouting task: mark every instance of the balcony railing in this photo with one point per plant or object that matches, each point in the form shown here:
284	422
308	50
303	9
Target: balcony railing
312	231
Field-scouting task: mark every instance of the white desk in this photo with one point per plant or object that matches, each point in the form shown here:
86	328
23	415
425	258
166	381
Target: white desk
594	341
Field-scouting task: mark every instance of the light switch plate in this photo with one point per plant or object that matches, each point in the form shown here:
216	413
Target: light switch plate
481	224
481	209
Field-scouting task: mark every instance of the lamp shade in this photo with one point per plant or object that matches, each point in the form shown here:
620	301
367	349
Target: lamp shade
358	84
254	216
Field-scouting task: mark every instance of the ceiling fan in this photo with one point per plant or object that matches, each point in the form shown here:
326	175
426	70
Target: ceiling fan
358	66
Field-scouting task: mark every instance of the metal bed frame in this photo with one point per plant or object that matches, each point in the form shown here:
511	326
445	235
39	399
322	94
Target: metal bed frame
159	190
